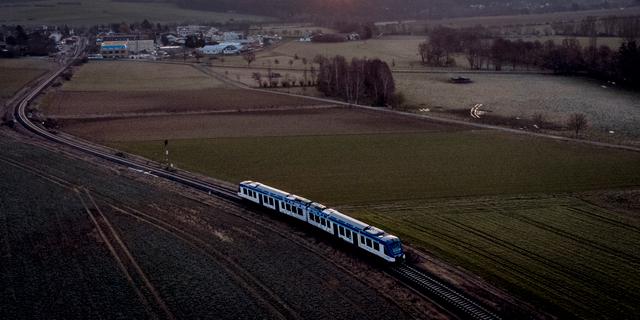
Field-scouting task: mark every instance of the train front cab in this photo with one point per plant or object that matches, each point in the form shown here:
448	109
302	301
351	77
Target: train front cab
393	249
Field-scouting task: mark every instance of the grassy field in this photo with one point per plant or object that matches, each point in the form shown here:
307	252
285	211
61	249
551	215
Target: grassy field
557	249
138	76
531	19
519	95
111	88
388	167
92	12
18	72
403	50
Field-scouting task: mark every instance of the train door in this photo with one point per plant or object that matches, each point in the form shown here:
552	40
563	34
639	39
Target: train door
355	238
335	229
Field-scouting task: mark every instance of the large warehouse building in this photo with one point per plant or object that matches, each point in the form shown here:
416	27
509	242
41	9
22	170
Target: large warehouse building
114	49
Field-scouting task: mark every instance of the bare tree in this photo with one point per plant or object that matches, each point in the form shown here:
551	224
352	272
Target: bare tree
249	57
258	77
577	122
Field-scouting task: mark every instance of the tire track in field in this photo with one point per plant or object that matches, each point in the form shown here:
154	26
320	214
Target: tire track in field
67	184
119	261
241	276
252	217
528	278
610	288
606	220
101	232
129	257
590	243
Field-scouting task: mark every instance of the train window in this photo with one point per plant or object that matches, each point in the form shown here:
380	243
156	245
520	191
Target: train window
362	239
368	242
376	246
348	232
288	207
341	231
271	201
300	212
322	222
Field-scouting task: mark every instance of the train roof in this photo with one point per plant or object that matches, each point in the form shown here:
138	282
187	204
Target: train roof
265	187
298	198
332	213
355	223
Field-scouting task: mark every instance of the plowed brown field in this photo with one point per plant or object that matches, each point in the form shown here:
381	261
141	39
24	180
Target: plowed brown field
326	121
81	103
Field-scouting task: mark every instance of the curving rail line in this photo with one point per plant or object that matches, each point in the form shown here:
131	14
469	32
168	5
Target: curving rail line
415	278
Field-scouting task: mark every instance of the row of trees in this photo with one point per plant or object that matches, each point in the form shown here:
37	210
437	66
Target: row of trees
21	42
358	81
568	57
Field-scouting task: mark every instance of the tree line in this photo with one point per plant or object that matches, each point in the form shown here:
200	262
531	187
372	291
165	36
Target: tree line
568	57
22	42
358	81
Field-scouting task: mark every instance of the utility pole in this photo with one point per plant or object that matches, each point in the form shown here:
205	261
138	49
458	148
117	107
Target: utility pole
169	165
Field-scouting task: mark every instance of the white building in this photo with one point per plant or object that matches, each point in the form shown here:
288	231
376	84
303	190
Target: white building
226	48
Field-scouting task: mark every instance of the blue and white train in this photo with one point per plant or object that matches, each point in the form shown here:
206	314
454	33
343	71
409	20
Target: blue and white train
358	233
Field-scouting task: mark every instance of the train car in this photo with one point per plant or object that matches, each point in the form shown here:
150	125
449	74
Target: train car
364	236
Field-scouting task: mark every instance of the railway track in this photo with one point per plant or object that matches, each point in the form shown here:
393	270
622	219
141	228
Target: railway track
412	277
435	288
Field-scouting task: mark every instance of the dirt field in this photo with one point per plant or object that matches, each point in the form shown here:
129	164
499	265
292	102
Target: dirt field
297	122
104	103
80	241
522	96
18	72
92	12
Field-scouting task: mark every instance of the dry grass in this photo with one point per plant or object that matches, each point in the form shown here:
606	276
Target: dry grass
138	76
401	49
520	95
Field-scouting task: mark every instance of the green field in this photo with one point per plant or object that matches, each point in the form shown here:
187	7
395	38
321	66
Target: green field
557	250
347	169
18	72
138	76
498	205
92	12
